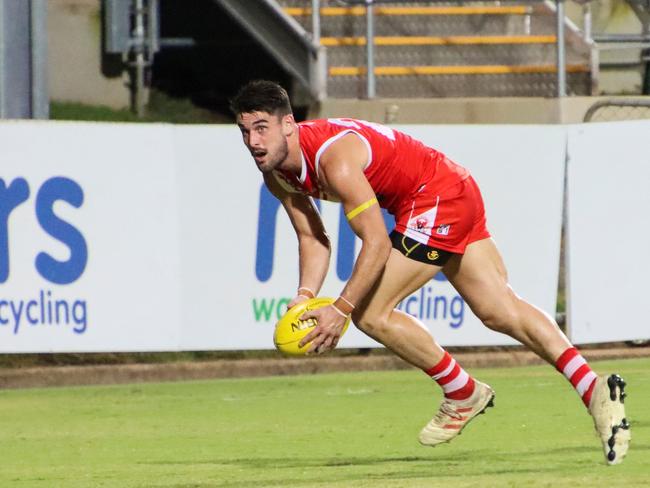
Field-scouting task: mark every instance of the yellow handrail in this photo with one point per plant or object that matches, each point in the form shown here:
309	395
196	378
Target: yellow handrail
455	70
357	11
438	41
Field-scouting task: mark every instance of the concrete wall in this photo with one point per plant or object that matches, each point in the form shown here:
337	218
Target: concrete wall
461	110
75	56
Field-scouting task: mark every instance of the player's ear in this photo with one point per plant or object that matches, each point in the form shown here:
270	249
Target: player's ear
288	124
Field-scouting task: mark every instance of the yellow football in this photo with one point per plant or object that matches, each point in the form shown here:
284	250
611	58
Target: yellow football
290	330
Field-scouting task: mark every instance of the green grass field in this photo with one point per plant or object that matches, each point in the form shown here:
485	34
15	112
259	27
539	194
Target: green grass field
356	429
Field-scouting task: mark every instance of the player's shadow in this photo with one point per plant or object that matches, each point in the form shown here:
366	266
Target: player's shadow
583	449
296	462
418	467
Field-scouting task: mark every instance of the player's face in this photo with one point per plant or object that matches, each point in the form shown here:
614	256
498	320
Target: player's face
265	136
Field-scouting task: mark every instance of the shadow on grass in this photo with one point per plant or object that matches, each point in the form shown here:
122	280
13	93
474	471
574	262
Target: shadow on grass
435	459
388	469
430	472
584	449
276	471
300	462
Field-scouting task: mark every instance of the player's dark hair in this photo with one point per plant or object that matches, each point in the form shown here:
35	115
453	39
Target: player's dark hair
261	96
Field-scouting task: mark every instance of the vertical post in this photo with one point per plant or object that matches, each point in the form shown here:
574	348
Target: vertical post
23	59
15	60
139	47
315	21
370	50
586	17
40	98
564	250
319	65
153	29
561	55
645	58
587	34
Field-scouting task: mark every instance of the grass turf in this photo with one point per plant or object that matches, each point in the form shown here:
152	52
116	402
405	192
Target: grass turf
355	429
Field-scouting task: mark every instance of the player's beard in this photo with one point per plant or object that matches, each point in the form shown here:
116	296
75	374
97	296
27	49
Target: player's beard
276	158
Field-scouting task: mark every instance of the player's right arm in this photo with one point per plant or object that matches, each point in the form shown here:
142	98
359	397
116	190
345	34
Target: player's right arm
313	242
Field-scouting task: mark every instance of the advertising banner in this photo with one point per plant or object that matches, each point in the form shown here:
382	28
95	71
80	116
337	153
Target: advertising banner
88	238
129	237
608	231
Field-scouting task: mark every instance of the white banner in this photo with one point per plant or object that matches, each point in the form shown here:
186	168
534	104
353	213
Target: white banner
240	262
609	231
219	206
151	237
91	258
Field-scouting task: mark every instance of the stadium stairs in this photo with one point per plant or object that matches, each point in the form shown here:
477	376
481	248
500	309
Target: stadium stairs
440	49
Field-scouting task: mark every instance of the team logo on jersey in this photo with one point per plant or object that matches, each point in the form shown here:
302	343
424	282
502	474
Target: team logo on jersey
433	255
424	222
443	229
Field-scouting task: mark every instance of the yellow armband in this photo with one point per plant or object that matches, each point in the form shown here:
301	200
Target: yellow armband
361	208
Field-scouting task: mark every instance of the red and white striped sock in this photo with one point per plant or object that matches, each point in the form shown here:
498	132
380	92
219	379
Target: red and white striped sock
454	380
577	371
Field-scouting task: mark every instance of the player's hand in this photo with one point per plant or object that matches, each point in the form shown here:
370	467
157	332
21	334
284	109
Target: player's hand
296	300
327	332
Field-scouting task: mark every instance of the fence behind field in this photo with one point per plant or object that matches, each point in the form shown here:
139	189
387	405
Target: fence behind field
613	110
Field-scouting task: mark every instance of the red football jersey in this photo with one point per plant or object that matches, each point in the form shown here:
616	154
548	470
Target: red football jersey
398	166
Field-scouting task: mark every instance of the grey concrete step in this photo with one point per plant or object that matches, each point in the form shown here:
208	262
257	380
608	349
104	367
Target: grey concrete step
437	25
526	85
457	55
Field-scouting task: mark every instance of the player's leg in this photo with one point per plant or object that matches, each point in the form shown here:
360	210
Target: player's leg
408	338
480	277
401	333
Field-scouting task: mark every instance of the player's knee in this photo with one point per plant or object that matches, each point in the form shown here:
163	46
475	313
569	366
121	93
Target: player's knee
501	321
504	317
371	324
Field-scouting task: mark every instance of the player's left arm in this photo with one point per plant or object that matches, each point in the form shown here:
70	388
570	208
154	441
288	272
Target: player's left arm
341	172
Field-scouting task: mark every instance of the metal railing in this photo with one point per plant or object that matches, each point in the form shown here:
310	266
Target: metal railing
131	30
618	41
612	109
285	39
144	45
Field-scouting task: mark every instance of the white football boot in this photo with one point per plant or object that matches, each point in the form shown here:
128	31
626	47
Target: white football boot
454	415
608	411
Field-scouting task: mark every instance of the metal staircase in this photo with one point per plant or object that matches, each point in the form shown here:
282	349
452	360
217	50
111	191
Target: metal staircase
285	40
425	49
